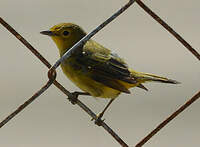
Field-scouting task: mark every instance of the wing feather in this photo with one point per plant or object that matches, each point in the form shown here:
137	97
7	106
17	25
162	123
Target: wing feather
105	67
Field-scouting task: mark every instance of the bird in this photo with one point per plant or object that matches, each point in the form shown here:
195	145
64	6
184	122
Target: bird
95	69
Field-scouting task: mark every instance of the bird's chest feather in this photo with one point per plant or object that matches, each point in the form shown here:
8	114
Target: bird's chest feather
80	76
74	70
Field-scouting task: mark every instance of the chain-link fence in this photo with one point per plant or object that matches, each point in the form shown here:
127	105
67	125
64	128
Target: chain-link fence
52	72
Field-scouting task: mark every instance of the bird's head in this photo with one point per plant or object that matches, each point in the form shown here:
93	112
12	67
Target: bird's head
65	35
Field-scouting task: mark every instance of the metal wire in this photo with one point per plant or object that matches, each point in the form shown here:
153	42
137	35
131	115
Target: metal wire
168	28
87	37
48	84
26	103
52	72
170	118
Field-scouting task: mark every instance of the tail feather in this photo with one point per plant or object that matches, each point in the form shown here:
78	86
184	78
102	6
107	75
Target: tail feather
151	77
145	77
170	81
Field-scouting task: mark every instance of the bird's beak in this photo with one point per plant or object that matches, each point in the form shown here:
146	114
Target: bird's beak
49	33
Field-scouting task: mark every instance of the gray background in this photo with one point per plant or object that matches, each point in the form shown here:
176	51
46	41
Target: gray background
52	121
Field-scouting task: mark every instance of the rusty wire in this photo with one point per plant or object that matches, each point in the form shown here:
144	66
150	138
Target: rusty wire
91	34
192	50
52	73
166	121
168	28
47	85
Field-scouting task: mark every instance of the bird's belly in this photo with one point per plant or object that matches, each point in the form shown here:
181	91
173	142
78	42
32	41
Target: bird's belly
81	79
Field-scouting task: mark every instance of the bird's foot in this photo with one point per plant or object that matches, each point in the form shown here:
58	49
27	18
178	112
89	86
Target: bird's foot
73	97
98	121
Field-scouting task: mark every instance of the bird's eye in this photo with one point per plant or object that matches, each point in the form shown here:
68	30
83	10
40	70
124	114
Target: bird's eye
65	33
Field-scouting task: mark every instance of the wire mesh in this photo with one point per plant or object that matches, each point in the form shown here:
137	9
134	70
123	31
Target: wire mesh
52	73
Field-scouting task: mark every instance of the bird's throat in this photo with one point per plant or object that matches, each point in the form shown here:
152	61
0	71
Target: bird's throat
62	45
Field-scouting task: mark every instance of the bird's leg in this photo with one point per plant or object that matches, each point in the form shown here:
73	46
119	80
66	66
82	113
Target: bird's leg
98	121
74	96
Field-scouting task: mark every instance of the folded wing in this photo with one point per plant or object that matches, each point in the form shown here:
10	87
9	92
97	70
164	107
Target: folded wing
105	67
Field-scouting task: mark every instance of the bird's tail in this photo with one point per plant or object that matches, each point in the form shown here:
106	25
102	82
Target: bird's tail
145	77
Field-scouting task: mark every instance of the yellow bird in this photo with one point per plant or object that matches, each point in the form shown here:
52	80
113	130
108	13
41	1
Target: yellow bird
94	68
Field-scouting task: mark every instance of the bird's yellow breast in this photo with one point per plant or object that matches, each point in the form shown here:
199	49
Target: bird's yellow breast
82	80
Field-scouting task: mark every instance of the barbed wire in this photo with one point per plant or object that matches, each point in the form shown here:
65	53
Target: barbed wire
52	73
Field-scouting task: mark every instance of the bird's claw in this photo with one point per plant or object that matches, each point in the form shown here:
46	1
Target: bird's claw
98	120
73	98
